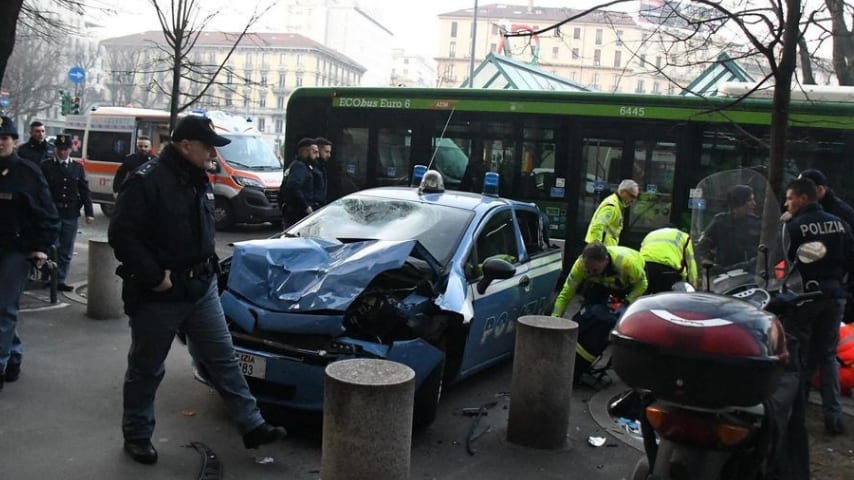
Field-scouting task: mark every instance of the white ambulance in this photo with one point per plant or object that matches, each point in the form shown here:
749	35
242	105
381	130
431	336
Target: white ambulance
246	179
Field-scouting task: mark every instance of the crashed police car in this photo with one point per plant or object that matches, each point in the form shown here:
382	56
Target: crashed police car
429	278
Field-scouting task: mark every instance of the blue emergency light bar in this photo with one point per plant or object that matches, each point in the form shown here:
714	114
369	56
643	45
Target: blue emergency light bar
490	184
417	174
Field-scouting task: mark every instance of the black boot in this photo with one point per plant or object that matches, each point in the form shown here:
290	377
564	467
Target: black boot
13	371
141	451
263	434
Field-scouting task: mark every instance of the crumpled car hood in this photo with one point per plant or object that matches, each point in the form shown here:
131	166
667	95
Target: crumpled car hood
311	274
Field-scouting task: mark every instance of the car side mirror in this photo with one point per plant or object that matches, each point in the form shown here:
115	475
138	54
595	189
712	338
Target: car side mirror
495	269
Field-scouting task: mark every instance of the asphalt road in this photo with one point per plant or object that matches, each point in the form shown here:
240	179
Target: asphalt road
61	420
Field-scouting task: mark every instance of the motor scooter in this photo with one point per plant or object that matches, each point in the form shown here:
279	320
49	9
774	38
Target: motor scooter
714	373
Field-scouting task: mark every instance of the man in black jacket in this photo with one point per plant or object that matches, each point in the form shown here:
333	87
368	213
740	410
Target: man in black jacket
818	323
163	235
70	190
827	198
132	162
297	193
28	227
37	149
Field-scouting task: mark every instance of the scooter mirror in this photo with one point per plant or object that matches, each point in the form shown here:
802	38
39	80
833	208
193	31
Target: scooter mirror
811	252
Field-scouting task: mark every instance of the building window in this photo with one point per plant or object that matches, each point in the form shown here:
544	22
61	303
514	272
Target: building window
282	77
598	36
595	81
283	58
639	88
573	76
658	61
555	51
597	57
453	29
576	33
452	49
556	31
656	88
618	59
279	125
264	79
246	101
229	78
227	99
262	100
615	84
261	124
619	38
299	80
280	102
575	54
247	77
248	60
671	89
642	59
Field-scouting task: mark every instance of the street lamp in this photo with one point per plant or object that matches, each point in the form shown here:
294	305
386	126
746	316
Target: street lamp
473	40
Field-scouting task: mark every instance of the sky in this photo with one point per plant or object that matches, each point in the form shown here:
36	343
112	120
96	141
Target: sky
411	21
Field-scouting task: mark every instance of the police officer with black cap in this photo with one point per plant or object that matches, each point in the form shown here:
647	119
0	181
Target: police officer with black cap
162	232
28	227
818	321
70	190
828	200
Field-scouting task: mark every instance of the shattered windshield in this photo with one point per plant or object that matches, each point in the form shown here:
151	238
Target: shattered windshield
437	227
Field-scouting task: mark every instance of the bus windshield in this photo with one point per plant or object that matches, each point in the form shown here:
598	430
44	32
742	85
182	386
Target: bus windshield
249	151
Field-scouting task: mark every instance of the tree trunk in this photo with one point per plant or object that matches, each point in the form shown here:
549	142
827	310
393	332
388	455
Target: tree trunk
806	63
843	43
9	12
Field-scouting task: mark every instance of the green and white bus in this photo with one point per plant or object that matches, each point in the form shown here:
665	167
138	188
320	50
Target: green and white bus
564	151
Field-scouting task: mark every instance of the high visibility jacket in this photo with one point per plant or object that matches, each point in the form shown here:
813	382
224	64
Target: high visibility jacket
607	222
671	247
625	271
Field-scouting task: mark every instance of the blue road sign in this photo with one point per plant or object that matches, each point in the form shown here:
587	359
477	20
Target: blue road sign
4	101
77	74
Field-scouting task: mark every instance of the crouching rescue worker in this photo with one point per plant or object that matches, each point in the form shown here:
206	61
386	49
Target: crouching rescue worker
668	255
601	274
163	235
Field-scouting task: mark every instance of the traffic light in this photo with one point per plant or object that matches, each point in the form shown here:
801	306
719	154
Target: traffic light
75	106
66	103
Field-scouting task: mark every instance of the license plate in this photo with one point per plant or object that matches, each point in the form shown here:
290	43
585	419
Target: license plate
250	365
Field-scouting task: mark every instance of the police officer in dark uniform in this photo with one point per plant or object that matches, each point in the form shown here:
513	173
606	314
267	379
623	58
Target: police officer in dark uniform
818	321
733	236
133	161
321	179
163	235
28	227
828	200
70	191
297	193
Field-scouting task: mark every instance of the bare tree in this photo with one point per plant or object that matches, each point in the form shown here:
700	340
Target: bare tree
841	14
182	24
10	10
32	76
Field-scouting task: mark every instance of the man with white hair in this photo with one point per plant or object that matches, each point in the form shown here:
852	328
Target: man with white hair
607	222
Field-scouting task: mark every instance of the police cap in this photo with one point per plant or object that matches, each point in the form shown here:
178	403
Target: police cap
63	140
195	127
7	127
815	175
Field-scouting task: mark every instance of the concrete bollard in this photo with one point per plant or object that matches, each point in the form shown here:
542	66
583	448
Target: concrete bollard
541	389
104	290
367	420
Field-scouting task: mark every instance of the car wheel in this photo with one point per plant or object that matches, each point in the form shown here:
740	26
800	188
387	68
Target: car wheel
427	397
108	209
223	214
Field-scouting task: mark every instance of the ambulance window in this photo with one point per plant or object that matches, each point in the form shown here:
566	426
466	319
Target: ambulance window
108	146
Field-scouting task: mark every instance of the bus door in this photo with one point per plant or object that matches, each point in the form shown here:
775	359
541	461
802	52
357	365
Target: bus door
498	151
607	160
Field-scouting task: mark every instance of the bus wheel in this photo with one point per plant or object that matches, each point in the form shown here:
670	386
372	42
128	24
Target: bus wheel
223	214
108	209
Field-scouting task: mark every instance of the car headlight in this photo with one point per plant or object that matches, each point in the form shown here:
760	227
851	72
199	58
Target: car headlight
247	182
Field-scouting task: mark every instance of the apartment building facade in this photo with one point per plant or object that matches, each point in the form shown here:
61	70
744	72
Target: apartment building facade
256	81
606	50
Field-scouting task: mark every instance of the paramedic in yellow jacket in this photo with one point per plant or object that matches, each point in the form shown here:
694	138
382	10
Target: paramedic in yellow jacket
669	257
607	221
603	270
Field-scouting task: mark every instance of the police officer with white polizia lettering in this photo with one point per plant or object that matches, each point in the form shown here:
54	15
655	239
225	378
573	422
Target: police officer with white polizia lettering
818	322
